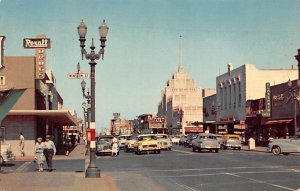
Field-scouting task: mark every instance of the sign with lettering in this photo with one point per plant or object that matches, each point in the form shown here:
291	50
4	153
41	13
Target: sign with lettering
40	61
36	43
2	38
78	75
267	111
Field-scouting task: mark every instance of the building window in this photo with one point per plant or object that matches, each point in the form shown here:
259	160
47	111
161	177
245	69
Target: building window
225	97
240	94
234	95
229	89
2	80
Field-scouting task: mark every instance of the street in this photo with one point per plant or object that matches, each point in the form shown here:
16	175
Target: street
181	169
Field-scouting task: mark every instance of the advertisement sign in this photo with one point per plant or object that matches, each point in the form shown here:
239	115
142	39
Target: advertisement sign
40	60
29	43
2	38
267	111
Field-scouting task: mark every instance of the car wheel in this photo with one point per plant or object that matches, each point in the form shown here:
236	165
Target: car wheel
98	154
216	150
239	148
194	149
286	154
210	150
158	151
199	150
276	150
170	148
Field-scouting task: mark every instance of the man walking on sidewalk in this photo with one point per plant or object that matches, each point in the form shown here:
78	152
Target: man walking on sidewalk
49	151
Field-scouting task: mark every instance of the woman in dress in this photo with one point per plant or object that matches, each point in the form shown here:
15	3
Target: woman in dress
115	147
39	153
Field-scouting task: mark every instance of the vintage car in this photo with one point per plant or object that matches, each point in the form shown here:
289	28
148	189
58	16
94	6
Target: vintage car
104	145
122	140
147	143
5	153
284	146
130	143
231	141
164	141
189	139
206	141
175	139
182	140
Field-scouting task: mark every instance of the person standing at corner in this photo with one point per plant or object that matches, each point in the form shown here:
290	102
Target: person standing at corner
115	146
39	153
22	144
49	151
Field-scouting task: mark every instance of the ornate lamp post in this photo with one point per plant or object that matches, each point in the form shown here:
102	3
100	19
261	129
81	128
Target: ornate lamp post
92	171
294	94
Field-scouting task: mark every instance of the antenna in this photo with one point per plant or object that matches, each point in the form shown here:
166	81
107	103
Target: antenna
180	67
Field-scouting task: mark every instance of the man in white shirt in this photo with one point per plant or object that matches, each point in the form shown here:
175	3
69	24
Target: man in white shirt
49	151
22	144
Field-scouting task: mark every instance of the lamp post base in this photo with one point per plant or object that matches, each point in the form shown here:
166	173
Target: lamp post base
92	172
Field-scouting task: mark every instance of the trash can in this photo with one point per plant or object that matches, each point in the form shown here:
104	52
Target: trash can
251	144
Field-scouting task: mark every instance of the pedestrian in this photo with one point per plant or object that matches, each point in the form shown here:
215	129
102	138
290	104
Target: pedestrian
115	147
39	153
67	144
49	151
22	144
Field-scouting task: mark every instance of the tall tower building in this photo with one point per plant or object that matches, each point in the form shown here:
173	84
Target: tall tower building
181	102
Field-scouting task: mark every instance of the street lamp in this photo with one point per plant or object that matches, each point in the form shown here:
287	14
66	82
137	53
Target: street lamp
92	171
294	94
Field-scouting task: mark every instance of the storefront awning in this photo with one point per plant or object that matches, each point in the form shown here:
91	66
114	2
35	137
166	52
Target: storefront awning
282	121
62	117
193	129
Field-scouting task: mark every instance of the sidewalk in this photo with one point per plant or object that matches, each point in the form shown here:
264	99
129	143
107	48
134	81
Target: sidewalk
257	149
51	181
77	153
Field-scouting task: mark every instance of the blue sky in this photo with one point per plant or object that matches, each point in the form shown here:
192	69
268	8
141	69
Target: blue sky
142	44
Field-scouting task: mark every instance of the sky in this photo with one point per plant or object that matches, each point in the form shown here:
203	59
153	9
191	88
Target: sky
143	41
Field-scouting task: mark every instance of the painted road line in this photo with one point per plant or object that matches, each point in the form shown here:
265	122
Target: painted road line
260	181
22	167
184	186
186	152
220	173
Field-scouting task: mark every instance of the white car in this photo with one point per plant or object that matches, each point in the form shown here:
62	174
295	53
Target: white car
130	143
175	139
6	153
122	140
164	141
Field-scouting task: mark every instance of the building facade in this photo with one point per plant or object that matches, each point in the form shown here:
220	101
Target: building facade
121	126
181	103
239	85
38	111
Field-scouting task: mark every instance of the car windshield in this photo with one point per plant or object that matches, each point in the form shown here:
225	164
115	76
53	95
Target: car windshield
150	137
233	138
104	139
162	136
124	137
132	137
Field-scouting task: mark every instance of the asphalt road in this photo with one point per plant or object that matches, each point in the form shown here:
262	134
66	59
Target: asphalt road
184	170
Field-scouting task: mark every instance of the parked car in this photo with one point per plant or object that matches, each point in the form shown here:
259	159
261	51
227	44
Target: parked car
104	145
231	141
206	141
164	141
130	143
6	153
175	139
146	143
284	146
189	140
182	140
122	140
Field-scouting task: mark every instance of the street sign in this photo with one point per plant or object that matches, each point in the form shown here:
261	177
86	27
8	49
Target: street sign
36	43
86	106
79	75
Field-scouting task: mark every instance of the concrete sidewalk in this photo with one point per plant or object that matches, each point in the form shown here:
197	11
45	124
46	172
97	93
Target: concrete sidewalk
52	181
257	149
77	153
